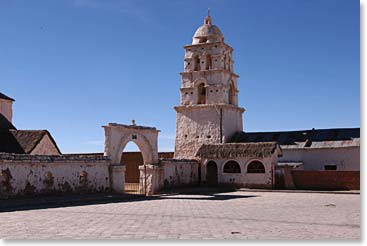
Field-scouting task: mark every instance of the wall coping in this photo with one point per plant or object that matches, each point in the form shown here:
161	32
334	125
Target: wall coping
51	158
177	160
135	127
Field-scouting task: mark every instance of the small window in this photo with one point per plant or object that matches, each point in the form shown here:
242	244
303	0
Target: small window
134	136
330	167
232	167
201	94
255	167
197	63
202	40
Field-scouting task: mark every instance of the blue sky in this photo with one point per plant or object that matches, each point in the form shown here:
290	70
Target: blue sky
75	65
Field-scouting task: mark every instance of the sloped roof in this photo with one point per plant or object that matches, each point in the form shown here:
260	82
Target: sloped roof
315	138
22	141
5	123
3	96
233	150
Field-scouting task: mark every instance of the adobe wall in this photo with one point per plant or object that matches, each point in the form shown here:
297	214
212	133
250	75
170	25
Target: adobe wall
178	173
345	158
194	129
36	174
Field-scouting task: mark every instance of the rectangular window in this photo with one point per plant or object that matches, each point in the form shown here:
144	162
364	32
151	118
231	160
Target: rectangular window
330	167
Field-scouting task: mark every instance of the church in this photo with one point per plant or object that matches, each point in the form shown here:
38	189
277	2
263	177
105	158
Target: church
211	146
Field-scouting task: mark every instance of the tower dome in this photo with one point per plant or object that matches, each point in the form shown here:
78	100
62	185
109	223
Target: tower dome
207	33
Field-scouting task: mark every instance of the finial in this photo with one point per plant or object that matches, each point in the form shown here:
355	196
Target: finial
208	19
133	123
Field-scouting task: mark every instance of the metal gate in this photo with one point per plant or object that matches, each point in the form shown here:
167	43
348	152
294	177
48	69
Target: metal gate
134	183
132	188
136	188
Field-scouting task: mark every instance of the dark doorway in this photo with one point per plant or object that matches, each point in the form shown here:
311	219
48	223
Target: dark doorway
279	178
211	173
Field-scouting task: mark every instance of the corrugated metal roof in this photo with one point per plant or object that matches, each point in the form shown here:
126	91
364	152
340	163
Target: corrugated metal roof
315	138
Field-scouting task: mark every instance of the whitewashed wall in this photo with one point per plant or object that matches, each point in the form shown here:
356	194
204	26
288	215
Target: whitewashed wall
179	172
244	179
345	158
32	174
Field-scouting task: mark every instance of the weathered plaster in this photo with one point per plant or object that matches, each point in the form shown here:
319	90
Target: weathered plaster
30	174
180	172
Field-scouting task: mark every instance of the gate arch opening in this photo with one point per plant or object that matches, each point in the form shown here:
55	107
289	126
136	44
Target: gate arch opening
132	158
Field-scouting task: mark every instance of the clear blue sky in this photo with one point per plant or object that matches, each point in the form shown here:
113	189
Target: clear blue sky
75	65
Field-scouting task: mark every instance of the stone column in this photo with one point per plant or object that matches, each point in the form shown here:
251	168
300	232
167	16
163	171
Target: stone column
117	178
151	179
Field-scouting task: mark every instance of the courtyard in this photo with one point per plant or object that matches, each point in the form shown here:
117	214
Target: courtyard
228	215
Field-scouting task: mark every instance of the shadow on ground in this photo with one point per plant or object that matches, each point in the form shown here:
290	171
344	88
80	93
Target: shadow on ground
44	202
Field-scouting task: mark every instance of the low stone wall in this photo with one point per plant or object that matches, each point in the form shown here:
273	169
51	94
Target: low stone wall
179	172
326	180
42	174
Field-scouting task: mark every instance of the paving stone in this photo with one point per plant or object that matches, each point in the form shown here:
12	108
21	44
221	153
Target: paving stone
265	215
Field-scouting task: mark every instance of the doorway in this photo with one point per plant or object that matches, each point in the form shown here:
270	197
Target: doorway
132	158
211	173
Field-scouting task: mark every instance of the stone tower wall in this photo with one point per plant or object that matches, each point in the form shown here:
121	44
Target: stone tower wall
208	111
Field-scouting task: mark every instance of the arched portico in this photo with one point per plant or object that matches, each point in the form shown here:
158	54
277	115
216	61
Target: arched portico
117	136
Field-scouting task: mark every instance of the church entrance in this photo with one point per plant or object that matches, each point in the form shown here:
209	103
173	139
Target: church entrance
132	158
211	173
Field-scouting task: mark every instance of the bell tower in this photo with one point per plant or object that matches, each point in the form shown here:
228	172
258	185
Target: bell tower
208	111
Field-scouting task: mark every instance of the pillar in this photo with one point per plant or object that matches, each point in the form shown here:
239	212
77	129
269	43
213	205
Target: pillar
117	178
151	179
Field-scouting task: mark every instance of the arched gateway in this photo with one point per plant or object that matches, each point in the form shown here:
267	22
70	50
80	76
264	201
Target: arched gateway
117	136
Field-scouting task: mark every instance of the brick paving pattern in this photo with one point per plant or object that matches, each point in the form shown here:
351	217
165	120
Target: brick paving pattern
235	215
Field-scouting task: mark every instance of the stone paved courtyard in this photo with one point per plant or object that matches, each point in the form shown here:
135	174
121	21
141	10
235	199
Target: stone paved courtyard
234	215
